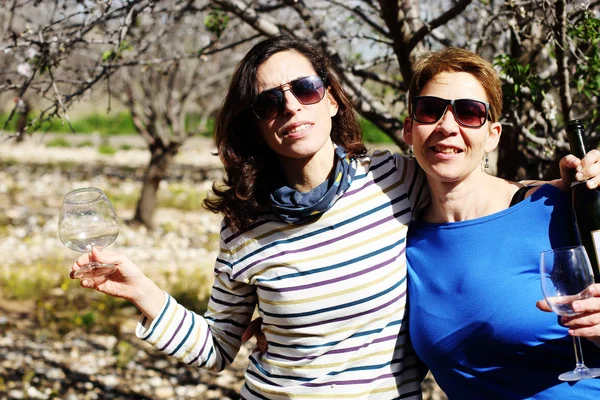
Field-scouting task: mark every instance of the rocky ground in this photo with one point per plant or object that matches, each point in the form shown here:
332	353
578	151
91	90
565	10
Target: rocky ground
36	363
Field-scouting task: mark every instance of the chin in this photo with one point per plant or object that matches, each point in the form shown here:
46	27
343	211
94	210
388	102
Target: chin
304	150
444	176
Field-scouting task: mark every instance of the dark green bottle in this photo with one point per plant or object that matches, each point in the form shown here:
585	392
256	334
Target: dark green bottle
586	202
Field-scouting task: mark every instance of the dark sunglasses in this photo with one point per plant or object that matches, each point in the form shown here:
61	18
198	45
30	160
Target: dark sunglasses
270	103
468	113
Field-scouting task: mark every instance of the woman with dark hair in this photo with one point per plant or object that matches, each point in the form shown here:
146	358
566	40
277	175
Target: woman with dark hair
313	235
253	170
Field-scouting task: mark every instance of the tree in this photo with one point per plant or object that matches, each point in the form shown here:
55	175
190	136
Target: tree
537	45
153	57
545	50
552	72
162	95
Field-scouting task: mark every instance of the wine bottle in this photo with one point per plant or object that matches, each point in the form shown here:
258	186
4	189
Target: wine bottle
586	202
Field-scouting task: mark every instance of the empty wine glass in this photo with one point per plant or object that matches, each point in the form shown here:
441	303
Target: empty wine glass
87	220
566	274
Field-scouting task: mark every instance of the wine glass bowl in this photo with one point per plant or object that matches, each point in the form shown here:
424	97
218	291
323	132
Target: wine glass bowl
87	219
566	273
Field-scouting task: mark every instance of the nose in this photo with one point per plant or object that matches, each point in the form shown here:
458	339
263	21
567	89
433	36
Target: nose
447	124
290	103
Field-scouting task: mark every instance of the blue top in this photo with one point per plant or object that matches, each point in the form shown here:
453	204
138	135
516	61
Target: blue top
472	292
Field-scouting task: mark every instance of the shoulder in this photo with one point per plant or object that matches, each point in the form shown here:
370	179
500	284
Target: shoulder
264	222
549	191
543	196
385	160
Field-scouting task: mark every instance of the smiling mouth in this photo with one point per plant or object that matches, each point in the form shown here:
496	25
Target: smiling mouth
297	129
446	150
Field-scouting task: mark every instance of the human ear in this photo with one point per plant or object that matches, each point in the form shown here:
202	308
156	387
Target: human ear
332	104
493	137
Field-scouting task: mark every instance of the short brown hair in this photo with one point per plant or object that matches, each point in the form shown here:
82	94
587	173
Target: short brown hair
453	59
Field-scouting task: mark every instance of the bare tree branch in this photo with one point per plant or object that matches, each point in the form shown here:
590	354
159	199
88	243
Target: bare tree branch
443	19
250	16
368	19
561	59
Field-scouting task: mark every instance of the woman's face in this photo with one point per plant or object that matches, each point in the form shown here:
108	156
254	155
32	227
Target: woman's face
446	150
299	131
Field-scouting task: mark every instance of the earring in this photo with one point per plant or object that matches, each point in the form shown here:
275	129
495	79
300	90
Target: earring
411	152
487	164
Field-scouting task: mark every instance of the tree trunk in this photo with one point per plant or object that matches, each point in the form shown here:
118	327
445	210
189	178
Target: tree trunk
160	159
510	160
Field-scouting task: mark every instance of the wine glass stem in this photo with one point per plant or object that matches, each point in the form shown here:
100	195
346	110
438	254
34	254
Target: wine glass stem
578	353
90	263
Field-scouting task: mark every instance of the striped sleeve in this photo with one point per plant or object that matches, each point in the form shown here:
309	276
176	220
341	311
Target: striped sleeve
415	182
212	341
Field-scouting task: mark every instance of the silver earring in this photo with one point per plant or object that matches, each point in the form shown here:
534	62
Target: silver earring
487	164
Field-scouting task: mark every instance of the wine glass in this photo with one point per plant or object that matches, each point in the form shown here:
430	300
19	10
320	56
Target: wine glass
87	219
566	274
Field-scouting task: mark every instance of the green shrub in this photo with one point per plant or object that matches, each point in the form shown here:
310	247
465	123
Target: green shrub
85	143
12	125
189	287
108	124
192	121
372	134
51	125
125	353
106	149
59	142
181	197
121	199
32	281
122	124
61	306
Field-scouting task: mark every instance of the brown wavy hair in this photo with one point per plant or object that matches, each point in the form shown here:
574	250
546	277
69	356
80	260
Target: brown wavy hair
251	167
453	59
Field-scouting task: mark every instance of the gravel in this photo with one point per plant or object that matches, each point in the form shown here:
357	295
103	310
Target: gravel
35	364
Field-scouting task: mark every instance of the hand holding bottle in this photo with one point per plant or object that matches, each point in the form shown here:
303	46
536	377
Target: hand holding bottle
586	170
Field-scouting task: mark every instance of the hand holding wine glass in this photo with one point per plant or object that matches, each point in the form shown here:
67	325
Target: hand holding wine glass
88	220
566	274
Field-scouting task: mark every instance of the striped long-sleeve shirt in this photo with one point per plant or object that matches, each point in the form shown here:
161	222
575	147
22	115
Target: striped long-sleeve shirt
331	292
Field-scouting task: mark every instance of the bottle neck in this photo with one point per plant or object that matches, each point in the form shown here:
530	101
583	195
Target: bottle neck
575	135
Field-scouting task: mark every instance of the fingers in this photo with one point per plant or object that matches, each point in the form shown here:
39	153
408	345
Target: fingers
80	262
590	304
87	283
590	169
567	165
587	322
107	257
261	342
543	305
587	169
95	257
569	162
590	331
252	329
